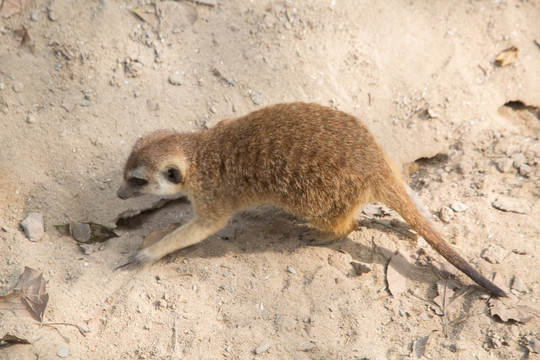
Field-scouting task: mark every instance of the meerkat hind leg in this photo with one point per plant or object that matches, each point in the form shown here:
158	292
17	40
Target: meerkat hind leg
186	235
329	233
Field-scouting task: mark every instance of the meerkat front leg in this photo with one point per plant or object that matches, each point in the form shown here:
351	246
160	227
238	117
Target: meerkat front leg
186	235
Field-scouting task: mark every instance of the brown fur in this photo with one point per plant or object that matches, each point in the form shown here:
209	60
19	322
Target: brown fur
315	162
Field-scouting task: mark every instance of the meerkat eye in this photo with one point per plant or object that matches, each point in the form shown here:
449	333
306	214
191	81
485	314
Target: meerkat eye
173	175
137	182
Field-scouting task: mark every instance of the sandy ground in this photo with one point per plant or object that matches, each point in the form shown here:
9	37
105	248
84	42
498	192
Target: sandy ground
421	75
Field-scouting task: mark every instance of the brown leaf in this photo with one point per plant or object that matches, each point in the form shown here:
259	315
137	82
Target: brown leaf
444	268
157	235
397	269
35	295
519	313
14	301
12	7
22	39
445	298
507	56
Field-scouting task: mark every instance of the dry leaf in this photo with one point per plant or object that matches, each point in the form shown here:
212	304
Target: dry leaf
419	347
35	295
12	340
14	302
505	308
12	7
22	38
519	313
398	267
29	297
444	268
147	13
157	235
507	57
446	301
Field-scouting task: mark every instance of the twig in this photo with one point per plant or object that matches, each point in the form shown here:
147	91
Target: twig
409	235
81	329
175	332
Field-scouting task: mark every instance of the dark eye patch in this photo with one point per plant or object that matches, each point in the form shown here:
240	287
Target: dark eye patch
137	182
173	175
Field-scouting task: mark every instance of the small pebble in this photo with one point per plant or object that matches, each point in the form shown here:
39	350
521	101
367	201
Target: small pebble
511	204
33	226
494	254
175	80
257	98
518	159
463	168
504	164
18	87
291	270
34	16
524	170
263	347
518	285
31	119
458	206
63	352
446	214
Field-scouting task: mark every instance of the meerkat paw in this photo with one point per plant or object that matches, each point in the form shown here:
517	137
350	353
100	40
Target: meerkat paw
319	237
140	258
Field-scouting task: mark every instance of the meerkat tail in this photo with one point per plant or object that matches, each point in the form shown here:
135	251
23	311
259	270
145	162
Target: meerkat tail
399	199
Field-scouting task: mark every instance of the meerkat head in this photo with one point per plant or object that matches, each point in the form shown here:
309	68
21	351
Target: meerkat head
157	165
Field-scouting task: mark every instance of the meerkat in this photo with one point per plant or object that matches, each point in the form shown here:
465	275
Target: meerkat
317	163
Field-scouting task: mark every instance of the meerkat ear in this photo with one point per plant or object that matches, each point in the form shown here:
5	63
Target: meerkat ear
173	175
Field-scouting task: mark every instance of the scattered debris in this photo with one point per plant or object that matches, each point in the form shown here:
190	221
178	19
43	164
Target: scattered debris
133	67
263	347
154	236
511	204
33	226
458	206
397	269
360	268
507	56
494	254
